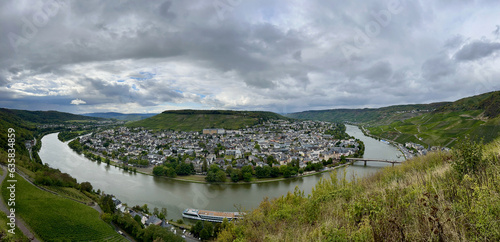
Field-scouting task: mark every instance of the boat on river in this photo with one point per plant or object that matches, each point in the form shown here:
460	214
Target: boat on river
211	216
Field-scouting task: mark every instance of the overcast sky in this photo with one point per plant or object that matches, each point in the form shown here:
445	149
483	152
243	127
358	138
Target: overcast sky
281	56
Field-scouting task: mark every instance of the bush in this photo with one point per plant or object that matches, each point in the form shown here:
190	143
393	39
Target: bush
468	157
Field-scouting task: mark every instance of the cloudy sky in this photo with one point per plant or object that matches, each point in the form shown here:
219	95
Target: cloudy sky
282	56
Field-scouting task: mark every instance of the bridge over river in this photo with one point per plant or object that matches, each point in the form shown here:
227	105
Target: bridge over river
352	160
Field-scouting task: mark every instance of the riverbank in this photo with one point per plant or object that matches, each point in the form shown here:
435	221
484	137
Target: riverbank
407	155
201	179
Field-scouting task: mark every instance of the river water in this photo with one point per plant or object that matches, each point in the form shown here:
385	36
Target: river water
139	189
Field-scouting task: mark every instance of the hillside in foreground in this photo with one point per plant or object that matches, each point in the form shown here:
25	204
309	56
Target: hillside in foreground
197	120
438	197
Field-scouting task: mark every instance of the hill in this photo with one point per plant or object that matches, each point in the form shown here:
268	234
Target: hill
196	120
121	116
43	117
373	116
424	199
477	116
24	122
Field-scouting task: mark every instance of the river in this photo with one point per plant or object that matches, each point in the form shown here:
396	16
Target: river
139	189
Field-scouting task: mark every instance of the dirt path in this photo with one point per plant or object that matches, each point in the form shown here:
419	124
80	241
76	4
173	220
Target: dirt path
19	222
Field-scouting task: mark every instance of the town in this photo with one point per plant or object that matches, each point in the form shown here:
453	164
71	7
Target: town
274	143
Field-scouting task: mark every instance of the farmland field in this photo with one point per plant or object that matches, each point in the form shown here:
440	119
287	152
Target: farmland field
55	218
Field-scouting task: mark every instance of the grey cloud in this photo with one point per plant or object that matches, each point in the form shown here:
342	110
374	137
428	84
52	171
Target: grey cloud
476	50
380	71
3	81
454	41
496	32
297	55
437	67
285	53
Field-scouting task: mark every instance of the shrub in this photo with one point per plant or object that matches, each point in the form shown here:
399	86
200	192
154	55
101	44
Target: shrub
468	157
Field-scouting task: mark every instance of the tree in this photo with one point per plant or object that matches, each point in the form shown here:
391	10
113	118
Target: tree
86	186
263	172
145	208
196	229
156	211
235	175
342	159
204	167
257	146
158	170
107	204
275	171
163	213
204	234
221	176
247	169
285	170
247	176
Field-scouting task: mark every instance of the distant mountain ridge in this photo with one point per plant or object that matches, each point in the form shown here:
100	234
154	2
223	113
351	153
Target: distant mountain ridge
121	116
196	120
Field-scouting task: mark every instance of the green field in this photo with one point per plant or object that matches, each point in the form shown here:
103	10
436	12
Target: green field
4	235
197	120
440	129
55	218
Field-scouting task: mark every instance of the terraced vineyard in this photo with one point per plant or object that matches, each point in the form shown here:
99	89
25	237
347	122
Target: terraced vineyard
440	129
55	218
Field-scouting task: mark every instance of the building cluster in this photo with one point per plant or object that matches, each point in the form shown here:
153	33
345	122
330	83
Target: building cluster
83	125
280	140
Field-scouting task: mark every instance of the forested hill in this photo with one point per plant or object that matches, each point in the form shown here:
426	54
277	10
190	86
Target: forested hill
24	123
383	115
196	120
43	117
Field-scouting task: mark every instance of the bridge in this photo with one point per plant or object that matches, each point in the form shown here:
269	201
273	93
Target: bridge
352	160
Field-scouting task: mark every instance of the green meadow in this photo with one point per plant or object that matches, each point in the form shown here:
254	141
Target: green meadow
56	218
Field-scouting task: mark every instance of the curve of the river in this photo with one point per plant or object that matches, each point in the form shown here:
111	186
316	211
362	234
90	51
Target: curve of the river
138	189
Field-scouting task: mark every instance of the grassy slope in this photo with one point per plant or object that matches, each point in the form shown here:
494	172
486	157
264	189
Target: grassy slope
196	120
477	116
420	200
56	218
18	236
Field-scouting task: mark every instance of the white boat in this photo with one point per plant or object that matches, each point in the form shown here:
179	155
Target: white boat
211	216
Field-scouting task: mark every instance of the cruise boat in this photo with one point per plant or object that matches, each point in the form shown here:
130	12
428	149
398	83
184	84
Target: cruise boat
211	216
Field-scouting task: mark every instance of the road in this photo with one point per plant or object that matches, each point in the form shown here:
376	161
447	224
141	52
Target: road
19	221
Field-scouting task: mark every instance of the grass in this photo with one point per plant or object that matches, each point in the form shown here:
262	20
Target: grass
4	235
70	193
55	218
421	200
